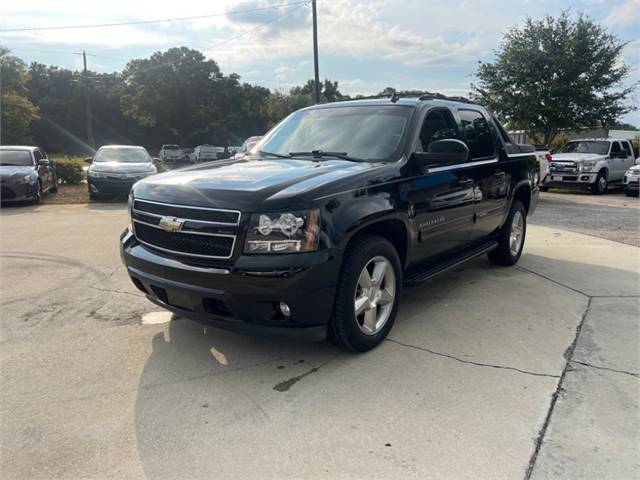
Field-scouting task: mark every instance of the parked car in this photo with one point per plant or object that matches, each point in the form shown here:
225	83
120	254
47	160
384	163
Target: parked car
26	174
246	147
205	153
115	168
590	163
171	154
315	232
631	181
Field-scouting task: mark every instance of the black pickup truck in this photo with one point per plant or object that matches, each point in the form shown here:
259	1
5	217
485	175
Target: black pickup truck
315	232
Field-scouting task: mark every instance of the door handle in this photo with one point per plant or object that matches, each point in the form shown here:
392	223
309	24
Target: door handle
466	183
499	174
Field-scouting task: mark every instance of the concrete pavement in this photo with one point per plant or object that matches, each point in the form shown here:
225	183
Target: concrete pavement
488	373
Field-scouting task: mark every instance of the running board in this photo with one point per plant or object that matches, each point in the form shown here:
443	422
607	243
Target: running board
422	274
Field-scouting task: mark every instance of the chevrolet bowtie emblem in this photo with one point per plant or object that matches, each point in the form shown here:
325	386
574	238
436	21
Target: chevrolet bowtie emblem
171	224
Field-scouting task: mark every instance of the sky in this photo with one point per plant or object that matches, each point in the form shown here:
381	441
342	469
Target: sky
366	45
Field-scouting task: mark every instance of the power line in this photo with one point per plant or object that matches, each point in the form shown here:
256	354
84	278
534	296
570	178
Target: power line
144	22
235	37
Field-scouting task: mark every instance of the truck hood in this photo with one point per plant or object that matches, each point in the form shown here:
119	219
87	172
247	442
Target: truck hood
576	157
248	184
11	172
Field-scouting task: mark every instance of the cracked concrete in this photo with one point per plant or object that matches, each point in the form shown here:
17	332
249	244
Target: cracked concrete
488	373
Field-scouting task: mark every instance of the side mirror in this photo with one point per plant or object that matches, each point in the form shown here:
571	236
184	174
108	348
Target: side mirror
43	162
443	152
155	159
88	159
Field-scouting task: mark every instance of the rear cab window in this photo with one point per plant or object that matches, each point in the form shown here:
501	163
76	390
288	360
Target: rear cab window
478	135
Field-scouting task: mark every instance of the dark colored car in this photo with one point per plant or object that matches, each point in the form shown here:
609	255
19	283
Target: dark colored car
317	229
26	174
115	168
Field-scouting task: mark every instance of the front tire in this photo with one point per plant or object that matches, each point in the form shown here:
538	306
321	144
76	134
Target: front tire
38	196
367	294
511	237
600	185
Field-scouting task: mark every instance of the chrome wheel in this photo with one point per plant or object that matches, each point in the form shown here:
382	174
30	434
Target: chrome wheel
517	233
375	295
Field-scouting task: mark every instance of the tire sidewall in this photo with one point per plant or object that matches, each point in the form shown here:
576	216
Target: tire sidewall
345	310
518	206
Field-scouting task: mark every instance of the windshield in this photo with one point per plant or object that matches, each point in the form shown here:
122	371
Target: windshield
15	157
171	147
600	148
365	132
130	155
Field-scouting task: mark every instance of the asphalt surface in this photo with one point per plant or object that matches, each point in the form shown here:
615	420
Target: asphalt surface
489	373
613	216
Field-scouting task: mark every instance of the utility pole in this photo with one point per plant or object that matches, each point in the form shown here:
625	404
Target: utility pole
87	103
315	48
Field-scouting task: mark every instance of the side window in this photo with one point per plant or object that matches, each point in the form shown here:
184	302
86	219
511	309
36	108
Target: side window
615	148
437	126
478	134
37	155
626	148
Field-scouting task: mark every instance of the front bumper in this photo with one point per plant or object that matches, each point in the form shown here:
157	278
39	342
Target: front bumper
631	183
107	186
17	192
564	180
240	295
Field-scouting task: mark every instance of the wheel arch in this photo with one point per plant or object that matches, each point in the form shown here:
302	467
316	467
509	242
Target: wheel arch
392	229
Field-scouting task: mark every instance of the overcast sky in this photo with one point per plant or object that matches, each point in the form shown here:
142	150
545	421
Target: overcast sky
365	45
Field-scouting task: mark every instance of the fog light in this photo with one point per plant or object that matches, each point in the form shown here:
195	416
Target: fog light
585	178
284	309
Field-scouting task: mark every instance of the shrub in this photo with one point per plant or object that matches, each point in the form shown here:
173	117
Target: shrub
69	169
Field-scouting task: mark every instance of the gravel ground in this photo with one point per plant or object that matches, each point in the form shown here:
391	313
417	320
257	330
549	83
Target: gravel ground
613	216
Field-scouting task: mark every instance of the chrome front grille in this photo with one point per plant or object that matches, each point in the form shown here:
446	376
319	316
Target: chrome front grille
186	230
564	168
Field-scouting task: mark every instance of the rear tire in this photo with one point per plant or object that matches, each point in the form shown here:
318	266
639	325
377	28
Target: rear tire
367	294
511	237
600	185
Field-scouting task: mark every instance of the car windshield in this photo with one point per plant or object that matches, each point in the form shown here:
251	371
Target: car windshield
15	157
600	148
171	147
130	155
363	132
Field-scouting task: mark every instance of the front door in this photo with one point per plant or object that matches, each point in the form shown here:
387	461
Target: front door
441	199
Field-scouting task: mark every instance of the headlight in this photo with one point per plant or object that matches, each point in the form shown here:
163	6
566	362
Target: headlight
288	232
26	179
587	165
95	174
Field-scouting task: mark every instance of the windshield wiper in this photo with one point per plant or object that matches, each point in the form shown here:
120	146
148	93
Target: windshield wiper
323	154
277	155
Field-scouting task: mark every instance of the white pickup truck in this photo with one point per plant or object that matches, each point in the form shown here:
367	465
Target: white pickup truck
171	153
589	163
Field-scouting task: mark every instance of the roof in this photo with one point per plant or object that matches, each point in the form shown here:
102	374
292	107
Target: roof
121	146
403	101
17	147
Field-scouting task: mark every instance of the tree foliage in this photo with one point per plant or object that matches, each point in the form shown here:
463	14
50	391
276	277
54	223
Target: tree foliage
554	74
176	96
16	111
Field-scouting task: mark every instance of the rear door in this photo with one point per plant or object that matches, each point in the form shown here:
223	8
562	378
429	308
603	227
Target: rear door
441	198
491	176
630	160
617	162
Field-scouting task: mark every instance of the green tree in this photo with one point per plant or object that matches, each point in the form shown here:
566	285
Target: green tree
16	111
555	74
172	91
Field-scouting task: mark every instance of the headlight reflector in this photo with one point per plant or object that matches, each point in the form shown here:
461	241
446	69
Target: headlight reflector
588	165
288	232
